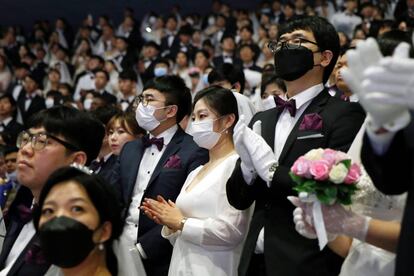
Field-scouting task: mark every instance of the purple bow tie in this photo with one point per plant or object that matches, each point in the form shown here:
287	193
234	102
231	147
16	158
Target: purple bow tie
289	105
158	142
25	213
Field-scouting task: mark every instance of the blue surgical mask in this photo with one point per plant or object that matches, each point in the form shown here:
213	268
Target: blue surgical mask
160	71
205	79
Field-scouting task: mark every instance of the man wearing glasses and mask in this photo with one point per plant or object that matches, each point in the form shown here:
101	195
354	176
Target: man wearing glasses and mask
157	164
305	118
55	138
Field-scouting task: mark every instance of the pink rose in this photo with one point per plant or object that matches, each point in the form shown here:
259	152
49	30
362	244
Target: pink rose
320	169
301	167
353	175
330	156
340	156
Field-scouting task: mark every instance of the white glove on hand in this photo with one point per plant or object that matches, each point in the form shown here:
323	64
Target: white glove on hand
238	133
264	160
365	56
392	79
337	220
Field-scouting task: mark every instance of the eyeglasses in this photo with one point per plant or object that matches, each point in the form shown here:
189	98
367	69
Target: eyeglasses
293	43
39	141
145	101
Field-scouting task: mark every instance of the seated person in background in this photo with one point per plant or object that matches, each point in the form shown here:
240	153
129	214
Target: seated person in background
9	127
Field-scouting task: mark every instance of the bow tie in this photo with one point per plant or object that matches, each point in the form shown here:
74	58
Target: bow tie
26	213
158	142
289	105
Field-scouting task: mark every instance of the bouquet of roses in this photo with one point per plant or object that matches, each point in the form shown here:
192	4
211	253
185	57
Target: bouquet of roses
327	176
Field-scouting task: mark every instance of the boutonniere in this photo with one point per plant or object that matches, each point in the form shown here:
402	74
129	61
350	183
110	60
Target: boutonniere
35	255
312	121
173	162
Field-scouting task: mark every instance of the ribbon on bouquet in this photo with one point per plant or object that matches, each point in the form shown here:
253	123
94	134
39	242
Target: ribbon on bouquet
318	221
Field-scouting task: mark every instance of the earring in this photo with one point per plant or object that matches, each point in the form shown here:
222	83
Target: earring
101	247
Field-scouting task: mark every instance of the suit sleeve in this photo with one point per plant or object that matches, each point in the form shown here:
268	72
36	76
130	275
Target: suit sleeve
391	173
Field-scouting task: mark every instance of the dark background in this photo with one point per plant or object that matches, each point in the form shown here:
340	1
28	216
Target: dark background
25	12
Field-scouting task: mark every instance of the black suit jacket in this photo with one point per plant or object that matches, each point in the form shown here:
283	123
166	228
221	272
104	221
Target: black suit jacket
164	181
392	173
37	104
285	251
107	167
14	225
11	131
219	60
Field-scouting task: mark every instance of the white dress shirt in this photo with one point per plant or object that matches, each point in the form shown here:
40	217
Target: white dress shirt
5	122
147	166
284	126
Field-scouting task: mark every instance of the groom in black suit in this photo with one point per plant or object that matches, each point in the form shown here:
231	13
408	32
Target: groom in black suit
157	164
308	118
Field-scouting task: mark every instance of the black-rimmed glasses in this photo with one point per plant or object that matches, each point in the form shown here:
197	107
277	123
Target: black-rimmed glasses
39	141
293	43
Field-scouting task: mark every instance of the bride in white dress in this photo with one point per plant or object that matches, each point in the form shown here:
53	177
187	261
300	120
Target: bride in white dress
206	231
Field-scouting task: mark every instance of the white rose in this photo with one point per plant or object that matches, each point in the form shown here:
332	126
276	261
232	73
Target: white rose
315	154
338	173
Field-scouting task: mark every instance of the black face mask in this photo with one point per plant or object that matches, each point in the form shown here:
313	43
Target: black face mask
291	63
65	242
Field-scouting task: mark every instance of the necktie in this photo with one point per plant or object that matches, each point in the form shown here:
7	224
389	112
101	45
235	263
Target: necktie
158	142
289	105
96	164
25	213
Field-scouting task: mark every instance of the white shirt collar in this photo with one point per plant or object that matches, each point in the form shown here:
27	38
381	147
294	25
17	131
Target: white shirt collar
306	95
7	121
167	134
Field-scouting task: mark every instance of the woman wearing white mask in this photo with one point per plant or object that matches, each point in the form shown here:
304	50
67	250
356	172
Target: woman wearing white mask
206	232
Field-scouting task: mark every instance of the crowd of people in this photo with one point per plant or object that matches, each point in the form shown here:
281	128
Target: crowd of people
163	146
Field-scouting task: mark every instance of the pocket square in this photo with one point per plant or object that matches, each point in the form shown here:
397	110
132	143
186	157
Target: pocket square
173	162
316	135
312	121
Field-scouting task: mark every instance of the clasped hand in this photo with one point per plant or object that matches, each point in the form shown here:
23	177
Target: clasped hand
163	212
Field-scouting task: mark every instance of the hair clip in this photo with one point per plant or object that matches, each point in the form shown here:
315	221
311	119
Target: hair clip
82	168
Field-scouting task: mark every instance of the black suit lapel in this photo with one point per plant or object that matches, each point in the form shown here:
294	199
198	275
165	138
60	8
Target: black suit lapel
269	126
22	258
314	107
135	161
171	149
12	233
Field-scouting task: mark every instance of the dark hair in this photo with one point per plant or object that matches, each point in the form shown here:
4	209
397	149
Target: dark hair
220	99
100	193
175	92
388	41
152	44
105	113
227	72
203	52
128	75
102	71
76	127
247	28
12	102
165	61
270	78
99	58
128	122
325	35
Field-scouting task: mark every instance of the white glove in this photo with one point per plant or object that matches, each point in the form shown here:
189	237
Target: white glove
264	160
392	80
238	134
337	220
365	56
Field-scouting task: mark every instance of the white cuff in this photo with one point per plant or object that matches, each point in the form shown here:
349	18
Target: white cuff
193	230
141	251
249	175
167	232
260	243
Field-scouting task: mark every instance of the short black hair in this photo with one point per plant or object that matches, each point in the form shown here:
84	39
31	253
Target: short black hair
175	92
78	128
128	75
228	72
100	193
220	99
325	35
105	113
388	41
102	71
269	78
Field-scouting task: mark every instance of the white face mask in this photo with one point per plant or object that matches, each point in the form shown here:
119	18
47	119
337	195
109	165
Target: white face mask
203	133
49	102
87	103
268	103
145	117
